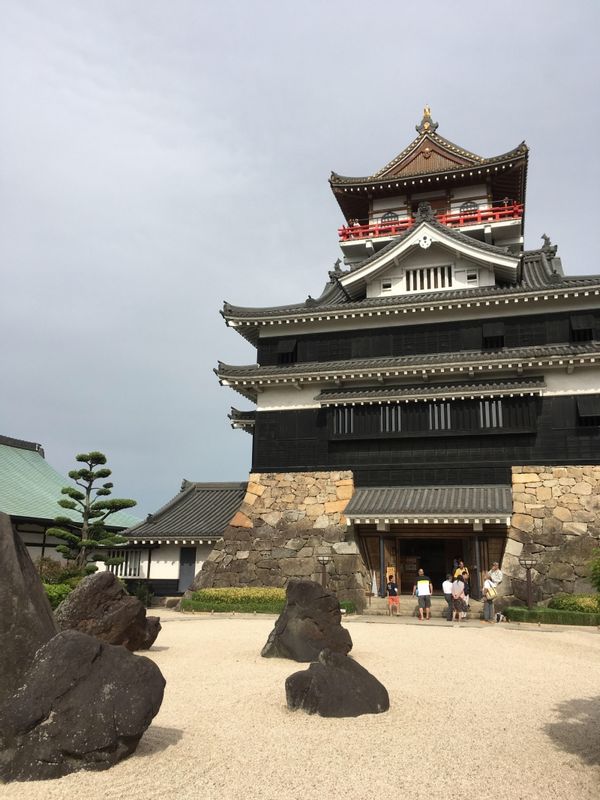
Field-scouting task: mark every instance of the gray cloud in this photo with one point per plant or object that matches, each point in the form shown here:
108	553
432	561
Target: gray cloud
157	158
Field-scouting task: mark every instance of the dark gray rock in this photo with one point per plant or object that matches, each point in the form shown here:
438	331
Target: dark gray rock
83	704
26	621
336	686
100	607
309	623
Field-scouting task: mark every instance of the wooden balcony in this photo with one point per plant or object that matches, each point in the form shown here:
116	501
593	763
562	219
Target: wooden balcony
460	219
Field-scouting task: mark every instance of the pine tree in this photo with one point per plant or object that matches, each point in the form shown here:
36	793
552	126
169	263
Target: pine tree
86	538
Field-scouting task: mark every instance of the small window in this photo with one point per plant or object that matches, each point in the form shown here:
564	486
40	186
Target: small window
386	286
582	328
439	417
472	277
130	567
493	335
588	410
343	420
287	351
390	420
490	414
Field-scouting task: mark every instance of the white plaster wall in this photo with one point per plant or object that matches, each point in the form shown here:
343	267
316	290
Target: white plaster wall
426	315
286	397
165	560
389	203
584	380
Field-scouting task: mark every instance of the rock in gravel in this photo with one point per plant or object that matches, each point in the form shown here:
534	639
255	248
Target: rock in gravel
26	621
101	607
309	623
83	704
336	686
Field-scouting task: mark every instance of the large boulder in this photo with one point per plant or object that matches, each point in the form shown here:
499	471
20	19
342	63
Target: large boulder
83	704
26	621
101	607
310	622
336	686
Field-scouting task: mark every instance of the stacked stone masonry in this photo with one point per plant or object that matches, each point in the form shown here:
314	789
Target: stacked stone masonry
285	522
556	521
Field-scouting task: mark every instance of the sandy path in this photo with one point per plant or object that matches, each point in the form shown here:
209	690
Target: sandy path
477	712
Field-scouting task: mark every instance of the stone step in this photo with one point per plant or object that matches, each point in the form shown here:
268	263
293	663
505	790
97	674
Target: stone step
378	607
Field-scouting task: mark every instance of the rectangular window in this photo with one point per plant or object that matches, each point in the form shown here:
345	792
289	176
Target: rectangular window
582	328
131	566
390	420
428	279
287	351
386	286
472	277
343	420
588	410
493	335
490	414
439	417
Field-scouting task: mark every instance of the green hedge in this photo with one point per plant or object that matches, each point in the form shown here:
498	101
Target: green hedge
57	592
588	603
551	616
249	600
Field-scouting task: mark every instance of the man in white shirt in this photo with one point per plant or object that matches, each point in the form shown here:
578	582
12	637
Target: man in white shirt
447	590
423	590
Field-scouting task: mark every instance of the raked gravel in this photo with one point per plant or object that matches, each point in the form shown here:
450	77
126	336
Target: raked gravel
477	711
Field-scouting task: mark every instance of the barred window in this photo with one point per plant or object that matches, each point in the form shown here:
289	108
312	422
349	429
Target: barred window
343	420
490	414
439	417
423	280
390	420
131	567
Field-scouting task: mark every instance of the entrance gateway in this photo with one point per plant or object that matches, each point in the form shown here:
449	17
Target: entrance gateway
402	529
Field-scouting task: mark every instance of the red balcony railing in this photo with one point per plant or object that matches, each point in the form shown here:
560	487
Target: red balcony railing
496	213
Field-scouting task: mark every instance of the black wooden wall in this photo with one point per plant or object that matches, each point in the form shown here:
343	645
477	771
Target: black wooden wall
304	440
398	340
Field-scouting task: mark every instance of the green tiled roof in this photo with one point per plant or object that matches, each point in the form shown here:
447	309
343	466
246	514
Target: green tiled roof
30	487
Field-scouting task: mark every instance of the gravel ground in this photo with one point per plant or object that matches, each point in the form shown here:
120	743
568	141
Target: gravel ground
477	711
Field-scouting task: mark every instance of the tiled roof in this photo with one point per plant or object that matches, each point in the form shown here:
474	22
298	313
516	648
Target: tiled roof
425	361
425	390
199	510
382	176
536	276
429	501
31	488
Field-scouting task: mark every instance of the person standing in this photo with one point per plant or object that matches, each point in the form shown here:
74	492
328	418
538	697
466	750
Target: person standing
447	590
391	589
423	589
458	596
489	593
467	582
496	573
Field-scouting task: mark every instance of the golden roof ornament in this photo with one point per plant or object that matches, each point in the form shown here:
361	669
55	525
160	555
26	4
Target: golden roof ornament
427	125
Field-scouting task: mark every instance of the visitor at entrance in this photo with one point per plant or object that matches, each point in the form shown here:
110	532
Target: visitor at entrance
467	583
458	597
423	590
447	590
496	573
391	588
460	569
488	602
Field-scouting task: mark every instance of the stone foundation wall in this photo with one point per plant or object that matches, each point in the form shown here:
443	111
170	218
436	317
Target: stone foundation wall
285	521
556	521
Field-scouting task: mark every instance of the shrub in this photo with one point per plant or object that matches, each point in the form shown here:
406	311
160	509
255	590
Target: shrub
551	616
53	571
248	599
142	591
57	592
589	603
595	572
348	606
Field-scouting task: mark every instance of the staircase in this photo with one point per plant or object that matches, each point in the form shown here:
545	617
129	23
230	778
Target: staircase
409	607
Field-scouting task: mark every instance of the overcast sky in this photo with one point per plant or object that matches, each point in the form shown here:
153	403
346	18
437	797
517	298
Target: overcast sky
157	158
